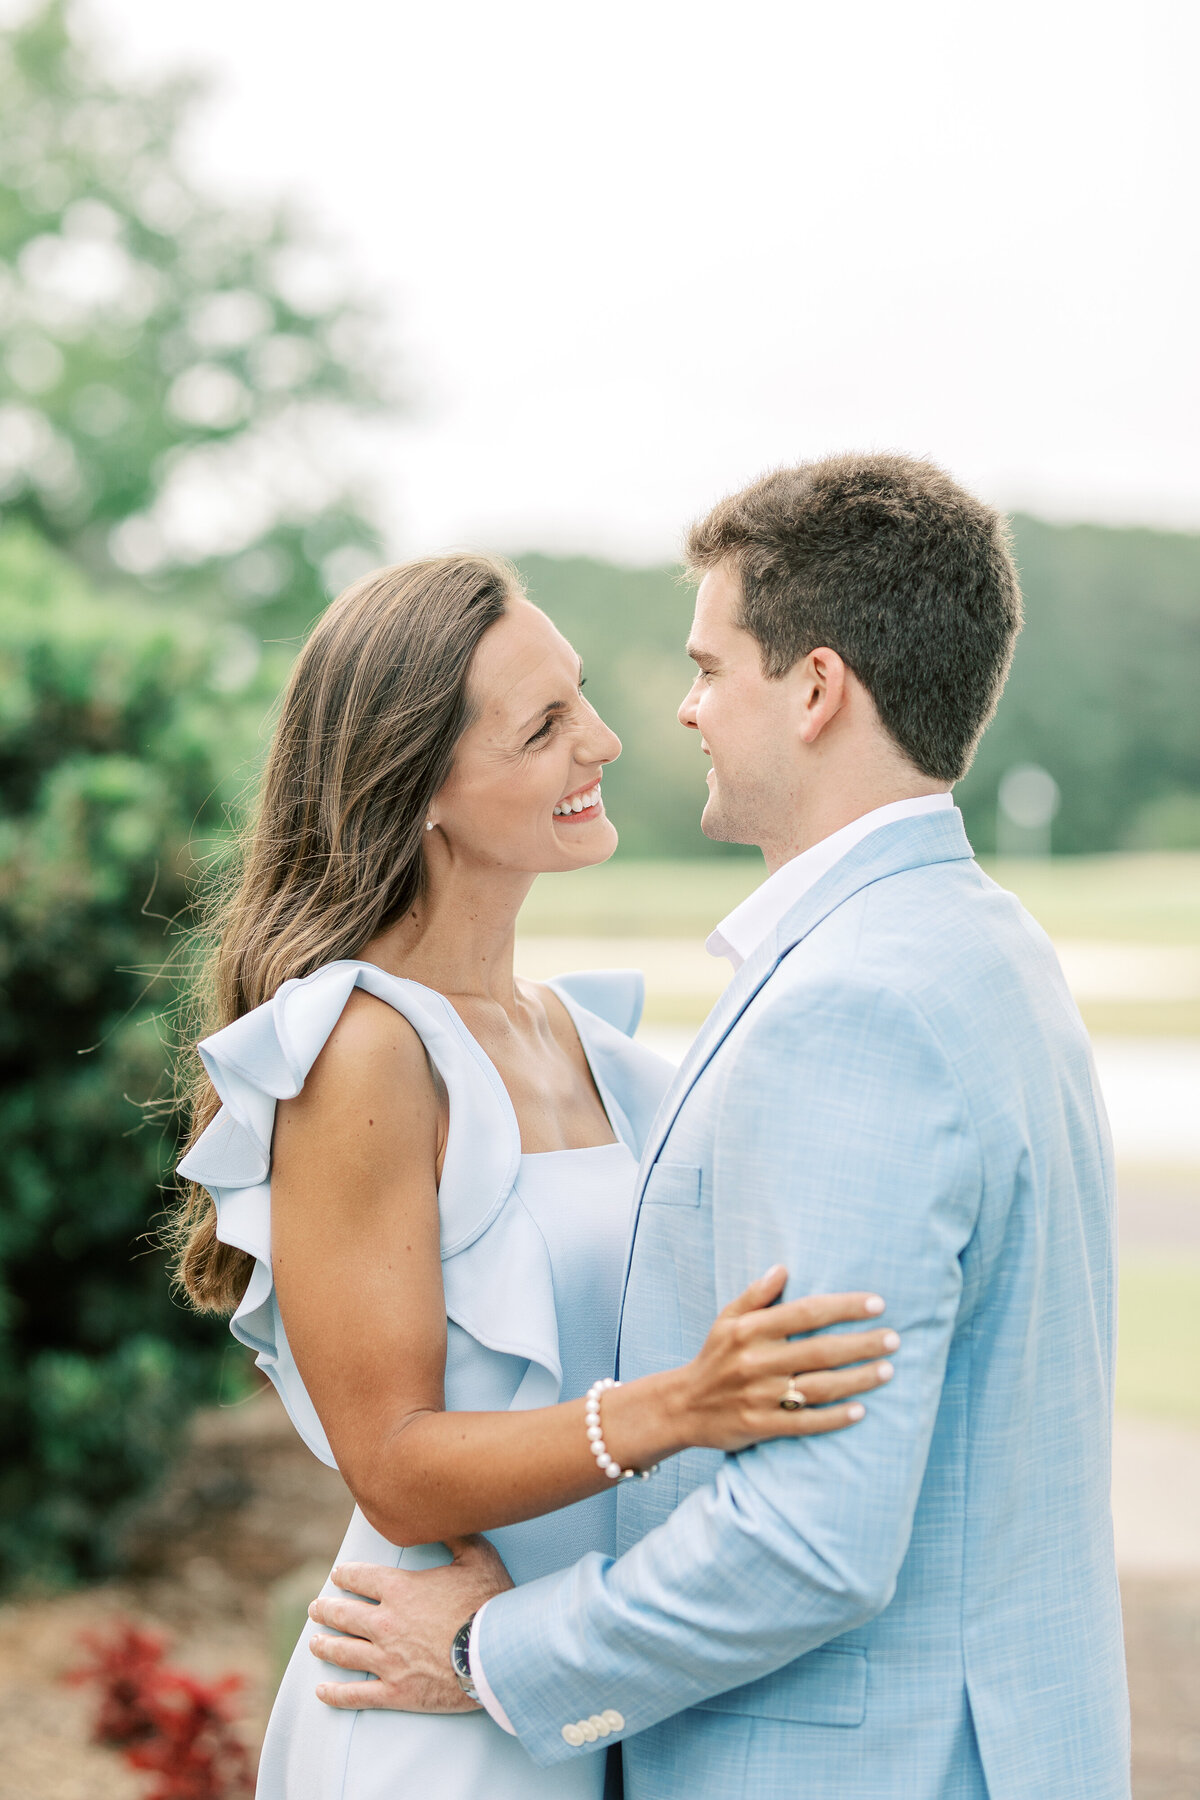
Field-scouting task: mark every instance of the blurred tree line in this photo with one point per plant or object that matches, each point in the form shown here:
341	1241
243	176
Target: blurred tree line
1104	691
174	376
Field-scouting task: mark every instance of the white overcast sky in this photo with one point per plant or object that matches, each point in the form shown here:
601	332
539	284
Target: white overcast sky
635	253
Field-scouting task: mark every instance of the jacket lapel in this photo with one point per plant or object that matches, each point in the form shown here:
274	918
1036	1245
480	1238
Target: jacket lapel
724	1015
908	844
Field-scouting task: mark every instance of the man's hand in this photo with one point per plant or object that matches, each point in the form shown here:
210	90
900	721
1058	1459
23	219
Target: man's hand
402	1632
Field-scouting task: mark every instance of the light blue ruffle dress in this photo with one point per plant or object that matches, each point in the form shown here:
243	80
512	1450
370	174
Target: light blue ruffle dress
533	1258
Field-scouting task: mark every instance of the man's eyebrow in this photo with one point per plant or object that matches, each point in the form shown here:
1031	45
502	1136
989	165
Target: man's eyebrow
700	656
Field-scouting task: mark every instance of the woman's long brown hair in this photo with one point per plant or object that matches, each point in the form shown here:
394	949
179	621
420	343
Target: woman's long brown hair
369	723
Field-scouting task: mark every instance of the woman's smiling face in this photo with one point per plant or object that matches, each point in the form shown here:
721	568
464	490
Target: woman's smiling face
524	791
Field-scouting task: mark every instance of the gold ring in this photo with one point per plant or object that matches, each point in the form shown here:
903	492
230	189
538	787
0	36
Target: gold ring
793	1399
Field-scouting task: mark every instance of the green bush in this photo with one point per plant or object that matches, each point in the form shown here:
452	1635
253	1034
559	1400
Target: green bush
120	746
213	350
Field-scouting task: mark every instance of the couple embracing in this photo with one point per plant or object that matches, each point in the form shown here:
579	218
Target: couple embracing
741	1430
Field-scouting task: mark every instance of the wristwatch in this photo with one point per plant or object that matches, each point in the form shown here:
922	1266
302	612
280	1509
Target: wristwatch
460	1658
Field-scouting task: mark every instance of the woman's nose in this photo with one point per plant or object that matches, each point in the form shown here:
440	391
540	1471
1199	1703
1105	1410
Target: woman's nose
602	745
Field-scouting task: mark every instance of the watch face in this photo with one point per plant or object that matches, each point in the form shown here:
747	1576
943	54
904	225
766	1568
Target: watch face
460	1652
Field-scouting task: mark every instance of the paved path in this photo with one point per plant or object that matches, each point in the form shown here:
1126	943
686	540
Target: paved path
1159	1214
1156	1497
1095	969
1151	1088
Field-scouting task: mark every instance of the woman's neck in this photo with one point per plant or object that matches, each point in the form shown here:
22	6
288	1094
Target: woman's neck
459	937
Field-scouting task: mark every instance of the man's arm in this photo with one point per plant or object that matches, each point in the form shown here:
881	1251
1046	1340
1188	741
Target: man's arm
842	1148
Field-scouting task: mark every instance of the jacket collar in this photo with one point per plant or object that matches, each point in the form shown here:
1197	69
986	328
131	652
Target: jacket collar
739	935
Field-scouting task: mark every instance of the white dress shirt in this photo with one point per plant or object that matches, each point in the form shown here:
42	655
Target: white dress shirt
737	937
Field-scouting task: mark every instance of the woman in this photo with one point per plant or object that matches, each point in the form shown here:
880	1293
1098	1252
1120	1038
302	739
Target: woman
422	1168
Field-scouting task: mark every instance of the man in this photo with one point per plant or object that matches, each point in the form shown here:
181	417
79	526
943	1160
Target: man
895	1093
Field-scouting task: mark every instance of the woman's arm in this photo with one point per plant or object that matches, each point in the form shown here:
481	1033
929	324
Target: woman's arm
357	1263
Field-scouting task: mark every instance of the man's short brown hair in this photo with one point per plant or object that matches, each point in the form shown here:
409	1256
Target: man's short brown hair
893	565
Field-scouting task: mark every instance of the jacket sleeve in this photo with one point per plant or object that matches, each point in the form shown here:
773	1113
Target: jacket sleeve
842	1147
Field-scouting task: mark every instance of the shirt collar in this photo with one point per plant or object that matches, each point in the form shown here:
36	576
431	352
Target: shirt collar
741	932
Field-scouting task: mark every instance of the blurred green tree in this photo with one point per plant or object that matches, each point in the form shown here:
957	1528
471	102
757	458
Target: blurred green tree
173	372
1103	690
125	730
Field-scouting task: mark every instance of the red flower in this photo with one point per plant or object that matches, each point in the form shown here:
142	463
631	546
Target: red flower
164	1721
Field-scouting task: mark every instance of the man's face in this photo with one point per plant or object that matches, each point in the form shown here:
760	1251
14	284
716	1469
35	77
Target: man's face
746	722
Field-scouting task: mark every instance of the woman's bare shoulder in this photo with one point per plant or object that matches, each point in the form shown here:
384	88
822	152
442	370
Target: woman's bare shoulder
373	1054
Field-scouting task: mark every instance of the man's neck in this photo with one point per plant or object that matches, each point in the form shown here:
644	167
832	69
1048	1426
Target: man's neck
831	811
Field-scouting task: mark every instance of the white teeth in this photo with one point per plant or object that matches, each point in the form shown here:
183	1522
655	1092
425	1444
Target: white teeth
579	804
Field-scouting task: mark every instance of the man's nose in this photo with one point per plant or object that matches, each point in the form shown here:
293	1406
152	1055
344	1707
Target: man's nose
687	711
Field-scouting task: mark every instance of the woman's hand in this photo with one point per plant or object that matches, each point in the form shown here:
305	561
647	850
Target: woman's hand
730	1393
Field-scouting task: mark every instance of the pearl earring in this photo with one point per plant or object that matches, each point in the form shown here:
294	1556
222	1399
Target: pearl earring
429	824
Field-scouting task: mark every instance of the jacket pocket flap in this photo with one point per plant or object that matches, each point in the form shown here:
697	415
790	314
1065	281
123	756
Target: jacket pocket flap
826	1687
673	1184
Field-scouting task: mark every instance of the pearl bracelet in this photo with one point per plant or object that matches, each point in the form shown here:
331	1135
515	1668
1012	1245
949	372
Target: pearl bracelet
596	1443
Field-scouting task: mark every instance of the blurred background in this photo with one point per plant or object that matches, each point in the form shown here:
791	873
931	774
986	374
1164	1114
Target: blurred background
286	296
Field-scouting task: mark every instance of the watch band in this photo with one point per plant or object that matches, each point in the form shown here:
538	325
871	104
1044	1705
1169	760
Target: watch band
460	1659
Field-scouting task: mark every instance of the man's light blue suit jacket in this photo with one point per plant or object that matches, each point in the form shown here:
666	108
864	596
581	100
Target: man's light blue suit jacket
895	1093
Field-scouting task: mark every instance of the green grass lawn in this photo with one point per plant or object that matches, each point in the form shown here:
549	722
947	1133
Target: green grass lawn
1158	1357
1152	899
624	898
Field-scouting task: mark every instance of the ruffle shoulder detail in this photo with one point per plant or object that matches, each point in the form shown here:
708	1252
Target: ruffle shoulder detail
614	995
496	1269
606	1006
266	1055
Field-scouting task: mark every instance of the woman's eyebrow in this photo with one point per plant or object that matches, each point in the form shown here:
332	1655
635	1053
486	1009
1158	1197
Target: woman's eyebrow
552	706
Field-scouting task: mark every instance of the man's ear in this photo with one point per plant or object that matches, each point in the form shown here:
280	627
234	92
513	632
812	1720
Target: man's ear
820	691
